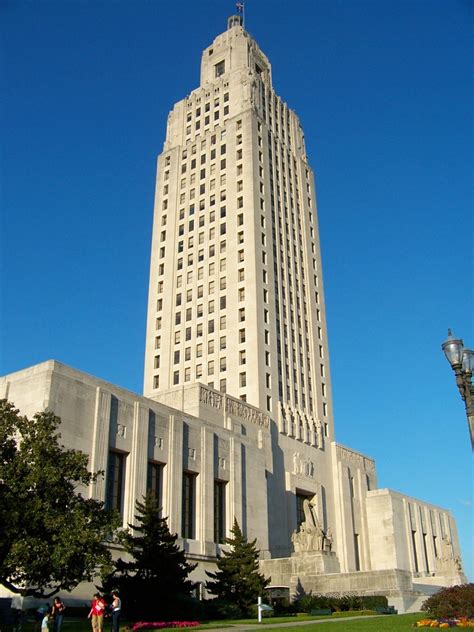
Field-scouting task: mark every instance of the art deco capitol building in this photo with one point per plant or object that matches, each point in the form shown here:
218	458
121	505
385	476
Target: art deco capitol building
236	420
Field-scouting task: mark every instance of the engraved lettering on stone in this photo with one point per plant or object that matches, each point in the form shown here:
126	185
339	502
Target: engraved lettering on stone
158	442
192	453
360	461
209	397
239	409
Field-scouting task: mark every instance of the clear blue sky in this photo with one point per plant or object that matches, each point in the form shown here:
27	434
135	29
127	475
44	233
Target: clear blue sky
385	95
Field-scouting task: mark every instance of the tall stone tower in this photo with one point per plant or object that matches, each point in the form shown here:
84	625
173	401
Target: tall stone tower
236	298
237	418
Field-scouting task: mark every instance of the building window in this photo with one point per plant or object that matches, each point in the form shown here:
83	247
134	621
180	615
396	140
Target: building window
415	555
219	68
115	481
188	508
356	552
219	511
242	379
154	482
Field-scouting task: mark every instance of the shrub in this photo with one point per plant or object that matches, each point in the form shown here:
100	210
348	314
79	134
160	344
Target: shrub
340	603
221	609
370	602
314	602
455	601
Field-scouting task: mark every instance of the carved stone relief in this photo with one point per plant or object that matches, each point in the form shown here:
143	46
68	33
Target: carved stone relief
310	536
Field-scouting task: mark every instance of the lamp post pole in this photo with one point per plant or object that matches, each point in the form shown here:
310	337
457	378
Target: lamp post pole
462	363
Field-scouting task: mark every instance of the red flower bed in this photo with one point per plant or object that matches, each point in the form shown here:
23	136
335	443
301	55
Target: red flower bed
158	625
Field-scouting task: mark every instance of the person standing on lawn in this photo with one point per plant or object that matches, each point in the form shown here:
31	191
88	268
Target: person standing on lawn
45	620
96	613
115	608
58	609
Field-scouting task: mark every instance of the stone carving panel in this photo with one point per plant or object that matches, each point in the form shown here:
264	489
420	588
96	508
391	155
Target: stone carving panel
233	406
344	454
302	466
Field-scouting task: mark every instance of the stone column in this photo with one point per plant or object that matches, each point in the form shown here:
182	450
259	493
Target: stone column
235	483
206	480
138	460
174	479
100	443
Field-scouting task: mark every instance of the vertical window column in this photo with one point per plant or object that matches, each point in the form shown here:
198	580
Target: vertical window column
219	511
188	507
115	481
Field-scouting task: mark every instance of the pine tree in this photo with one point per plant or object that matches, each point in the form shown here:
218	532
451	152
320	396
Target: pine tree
237	579
154	582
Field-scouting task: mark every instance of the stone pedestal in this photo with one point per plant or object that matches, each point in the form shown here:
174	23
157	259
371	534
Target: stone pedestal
289	571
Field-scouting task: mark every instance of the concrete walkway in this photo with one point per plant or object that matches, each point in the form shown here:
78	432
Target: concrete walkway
268	626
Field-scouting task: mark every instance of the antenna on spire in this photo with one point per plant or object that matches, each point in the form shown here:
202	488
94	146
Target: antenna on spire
241	11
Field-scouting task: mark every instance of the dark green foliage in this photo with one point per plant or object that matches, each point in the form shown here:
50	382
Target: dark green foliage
216	609
340	603
51	538
237	580
310	602
154	582
455	601
370	602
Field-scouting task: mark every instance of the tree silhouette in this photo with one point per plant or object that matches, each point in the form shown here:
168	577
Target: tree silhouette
154	581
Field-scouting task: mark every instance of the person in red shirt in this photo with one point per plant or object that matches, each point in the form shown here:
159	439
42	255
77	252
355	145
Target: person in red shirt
97	613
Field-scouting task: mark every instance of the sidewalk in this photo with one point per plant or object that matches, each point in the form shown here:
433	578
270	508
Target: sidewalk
268	626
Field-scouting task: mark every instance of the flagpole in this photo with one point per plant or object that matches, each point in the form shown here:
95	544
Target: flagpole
241	10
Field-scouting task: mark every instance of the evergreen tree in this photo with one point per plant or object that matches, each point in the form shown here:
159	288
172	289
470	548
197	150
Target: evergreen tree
237	579
154	582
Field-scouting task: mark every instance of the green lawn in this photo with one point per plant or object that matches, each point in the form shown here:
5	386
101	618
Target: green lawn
386	623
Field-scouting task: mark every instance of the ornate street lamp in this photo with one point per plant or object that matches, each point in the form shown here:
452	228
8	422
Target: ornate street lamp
462	363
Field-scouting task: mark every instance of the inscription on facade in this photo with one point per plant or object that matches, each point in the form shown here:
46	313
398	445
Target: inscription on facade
234	407
158	442
360	461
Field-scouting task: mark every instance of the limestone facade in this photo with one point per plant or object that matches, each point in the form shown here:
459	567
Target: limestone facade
237	420
236	464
